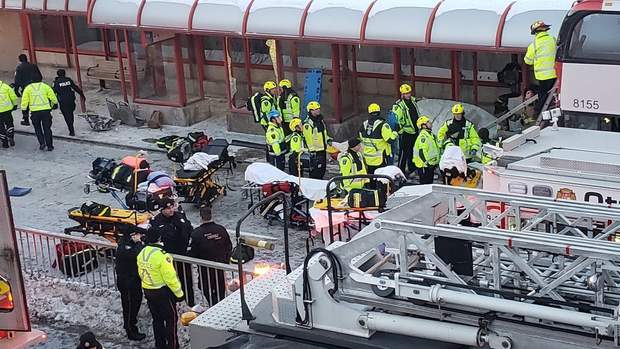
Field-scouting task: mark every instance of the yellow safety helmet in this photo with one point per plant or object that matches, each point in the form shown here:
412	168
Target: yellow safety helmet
422	120
313	106
269	85
405	88
374	108
457	108
539	26
286	83
294	123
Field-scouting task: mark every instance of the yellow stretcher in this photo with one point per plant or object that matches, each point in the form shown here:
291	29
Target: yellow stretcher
111	225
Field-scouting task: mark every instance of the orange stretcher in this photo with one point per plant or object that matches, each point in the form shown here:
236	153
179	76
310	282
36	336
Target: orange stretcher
111	224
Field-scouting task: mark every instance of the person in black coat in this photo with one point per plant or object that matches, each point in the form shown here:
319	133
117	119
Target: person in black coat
65	90
211	241
25	74
174	228
128	281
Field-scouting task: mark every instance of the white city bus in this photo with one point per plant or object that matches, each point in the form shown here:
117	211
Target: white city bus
589	65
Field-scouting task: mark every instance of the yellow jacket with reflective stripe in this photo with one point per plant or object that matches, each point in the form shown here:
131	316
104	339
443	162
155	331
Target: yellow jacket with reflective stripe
275	139
349	167
292	107
541	54
8	98
315	140
38	96
376	141
267	104
469	144
425	150
156	270
296	142
403	116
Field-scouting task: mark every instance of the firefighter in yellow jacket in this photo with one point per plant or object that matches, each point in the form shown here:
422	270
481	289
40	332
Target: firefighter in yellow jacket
317	139
40	99
461	132
8	103
375	134
541	54
426	151
276	141
352	163
162	290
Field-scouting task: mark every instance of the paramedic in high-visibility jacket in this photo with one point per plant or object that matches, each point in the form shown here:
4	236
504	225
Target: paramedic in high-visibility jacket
40	99
375	134
426	151
162	290
317	139
289	104
541	54
297	147
8	103
277	148
461	132
351	163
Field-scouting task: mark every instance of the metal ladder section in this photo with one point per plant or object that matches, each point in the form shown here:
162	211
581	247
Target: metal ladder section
531	213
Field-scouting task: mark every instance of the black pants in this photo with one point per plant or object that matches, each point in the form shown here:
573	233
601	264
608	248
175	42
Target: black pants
67	109
426	174
184	271
7	131
131	300
164	312
543	92
405	158
213	285
42	123
318	163
25	114
277	161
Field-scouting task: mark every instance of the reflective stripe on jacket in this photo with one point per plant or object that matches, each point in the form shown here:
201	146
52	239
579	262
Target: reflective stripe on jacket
8	98
469	144
541	54
38	96
375	139
315	140
350	167
292	107
403	116
275	139
425	150
156	270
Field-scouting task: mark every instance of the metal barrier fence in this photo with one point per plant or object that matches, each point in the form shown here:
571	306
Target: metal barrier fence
91	261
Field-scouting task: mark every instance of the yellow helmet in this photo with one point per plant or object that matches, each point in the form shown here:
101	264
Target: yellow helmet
457	108
374	108
286	83
539	26
422	120
269	85
313	106
405	88
294	123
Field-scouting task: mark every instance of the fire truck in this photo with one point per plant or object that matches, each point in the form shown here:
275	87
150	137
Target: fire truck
15	330
588	65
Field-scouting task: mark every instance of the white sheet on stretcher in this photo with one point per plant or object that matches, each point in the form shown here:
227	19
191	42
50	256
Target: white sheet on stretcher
261	173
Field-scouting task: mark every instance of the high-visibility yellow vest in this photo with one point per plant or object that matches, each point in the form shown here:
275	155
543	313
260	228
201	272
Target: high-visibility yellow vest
292	107
470	143
38	96
425	150
315	140
267	104
349	167
403	116
541	54
296	142
156	270
375	139
8	98
275	139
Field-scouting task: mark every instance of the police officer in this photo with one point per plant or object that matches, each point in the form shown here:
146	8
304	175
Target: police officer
66	89
289	104
162	290
375	134
8	103
541	54
460	132
351	163
297	147
406	110
276	141
40	99
25	74
426	151
174	228
128	281
317	139
211	241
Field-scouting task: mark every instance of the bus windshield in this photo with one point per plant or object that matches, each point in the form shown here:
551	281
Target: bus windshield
596	39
